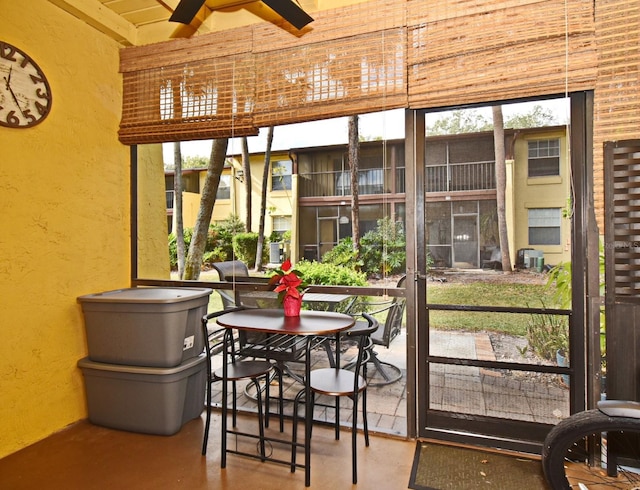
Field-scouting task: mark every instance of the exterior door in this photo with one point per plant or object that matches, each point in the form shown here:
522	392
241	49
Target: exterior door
465	241
477	381
328	234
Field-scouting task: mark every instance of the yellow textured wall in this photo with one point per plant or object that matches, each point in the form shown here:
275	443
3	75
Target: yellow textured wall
541	192
278	202
65	220
153	253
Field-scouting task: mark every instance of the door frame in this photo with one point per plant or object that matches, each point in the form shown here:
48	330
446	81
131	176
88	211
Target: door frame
485	430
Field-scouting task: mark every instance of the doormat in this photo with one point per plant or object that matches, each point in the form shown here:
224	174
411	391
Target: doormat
443	467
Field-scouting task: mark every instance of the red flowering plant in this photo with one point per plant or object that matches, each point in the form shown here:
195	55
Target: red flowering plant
288	282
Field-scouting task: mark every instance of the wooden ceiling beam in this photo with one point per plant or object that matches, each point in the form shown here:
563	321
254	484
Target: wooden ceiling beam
101	18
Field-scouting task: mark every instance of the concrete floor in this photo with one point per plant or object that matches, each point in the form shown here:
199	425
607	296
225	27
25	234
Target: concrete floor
87	457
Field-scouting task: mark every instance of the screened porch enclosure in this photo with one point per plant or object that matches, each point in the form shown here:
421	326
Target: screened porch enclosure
402	59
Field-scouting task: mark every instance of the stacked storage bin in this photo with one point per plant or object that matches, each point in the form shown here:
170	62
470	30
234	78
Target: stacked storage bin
146	371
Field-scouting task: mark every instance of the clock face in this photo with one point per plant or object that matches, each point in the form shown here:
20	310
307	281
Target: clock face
25	95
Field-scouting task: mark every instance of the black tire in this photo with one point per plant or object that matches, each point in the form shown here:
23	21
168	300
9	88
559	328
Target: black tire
565	448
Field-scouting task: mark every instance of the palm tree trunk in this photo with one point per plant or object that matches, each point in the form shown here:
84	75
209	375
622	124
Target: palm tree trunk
354	165
501	185
246	175
208	199
263	200
177	208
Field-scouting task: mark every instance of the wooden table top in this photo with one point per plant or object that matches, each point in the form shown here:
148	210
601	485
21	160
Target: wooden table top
274	321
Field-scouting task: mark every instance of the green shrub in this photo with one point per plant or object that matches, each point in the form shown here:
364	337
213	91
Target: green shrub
323	274
343	254
173	246
383	250
330	275
560	281
219	244
548	334
245	246
215	255
223	233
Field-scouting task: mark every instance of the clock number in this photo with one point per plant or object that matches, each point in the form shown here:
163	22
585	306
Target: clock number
36	79
42	109
27	113
12	119
7	52
31	102
42	94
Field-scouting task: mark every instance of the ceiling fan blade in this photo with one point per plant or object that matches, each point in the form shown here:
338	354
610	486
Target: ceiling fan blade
290	12
186	11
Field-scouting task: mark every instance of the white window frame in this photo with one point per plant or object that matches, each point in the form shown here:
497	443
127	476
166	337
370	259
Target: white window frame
545	152
281	171
224	188
547	219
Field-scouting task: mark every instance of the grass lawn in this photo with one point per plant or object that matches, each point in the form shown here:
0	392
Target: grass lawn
466	293
486	294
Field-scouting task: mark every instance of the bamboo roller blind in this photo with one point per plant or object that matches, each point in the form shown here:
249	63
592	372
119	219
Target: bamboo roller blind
378	55
230	83
617	91
466	51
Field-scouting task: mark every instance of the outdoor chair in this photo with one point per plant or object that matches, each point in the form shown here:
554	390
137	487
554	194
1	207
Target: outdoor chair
237	271
228	271
231	269
340	382
216	340
384	336
278	348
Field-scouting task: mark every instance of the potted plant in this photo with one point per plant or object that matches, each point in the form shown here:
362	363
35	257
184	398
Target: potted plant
290	288
548	337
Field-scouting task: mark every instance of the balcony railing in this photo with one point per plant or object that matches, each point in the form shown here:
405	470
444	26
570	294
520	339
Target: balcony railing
461	177
370	181
439	178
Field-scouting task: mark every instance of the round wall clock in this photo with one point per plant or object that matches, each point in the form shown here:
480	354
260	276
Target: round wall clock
25	95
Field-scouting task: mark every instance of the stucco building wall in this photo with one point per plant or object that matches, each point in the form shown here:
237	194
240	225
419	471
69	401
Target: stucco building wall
65	219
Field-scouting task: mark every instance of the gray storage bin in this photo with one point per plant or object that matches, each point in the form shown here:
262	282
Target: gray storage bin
156	327
143	399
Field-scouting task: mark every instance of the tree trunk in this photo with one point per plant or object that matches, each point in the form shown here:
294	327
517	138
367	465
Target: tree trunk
208	199
354	164
501	185
246	175
263	200
177	207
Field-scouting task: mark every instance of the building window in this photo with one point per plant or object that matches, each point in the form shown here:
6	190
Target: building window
281	224
544	226
224	188
370	181
281	176
544	158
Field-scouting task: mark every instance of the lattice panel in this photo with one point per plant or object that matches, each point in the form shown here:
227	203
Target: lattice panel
622	249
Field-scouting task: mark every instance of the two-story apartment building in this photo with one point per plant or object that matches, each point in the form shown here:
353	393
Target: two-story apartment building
231	195
309	193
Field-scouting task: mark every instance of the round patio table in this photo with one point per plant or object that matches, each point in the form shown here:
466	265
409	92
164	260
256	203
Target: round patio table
272	321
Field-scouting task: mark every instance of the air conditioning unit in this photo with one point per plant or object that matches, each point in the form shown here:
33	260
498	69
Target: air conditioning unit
533	259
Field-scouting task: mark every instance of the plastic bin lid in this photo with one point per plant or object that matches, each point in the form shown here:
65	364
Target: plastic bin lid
146	295
86	363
